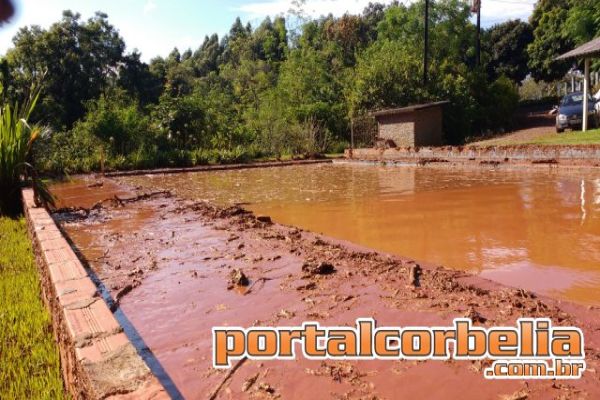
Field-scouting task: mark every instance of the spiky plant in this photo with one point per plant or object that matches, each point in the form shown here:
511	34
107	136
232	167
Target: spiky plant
16	142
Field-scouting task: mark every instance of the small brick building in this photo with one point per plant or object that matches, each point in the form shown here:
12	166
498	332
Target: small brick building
414	126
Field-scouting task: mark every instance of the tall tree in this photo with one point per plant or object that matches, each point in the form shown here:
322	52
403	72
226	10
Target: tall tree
583	23
206	57
549	40
506	48
137	79
79	59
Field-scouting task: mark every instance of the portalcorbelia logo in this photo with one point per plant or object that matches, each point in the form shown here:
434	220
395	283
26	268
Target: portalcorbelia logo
532	349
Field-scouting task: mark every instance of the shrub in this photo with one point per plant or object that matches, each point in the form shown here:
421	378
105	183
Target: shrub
117	123
16	142
503	102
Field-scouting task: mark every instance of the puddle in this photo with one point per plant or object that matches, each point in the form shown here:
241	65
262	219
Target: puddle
539	230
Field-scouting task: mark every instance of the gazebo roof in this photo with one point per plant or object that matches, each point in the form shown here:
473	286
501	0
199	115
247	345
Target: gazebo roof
591	48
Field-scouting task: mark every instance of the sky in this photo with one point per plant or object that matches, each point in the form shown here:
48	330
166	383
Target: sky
155	27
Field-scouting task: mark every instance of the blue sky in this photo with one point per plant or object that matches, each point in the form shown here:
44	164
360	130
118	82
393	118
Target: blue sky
156	26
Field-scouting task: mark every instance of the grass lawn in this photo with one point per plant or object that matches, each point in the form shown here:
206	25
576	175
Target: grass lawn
29	359
569	138
547	138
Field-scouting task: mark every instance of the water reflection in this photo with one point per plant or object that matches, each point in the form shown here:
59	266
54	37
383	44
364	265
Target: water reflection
539	230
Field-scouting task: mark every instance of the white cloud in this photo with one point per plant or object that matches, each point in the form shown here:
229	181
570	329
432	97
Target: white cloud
150	6
313	8
495	12
491	12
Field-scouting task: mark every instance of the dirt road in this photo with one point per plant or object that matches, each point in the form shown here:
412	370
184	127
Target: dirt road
531	126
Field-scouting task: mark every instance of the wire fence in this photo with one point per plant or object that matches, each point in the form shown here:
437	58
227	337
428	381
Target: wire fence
364	132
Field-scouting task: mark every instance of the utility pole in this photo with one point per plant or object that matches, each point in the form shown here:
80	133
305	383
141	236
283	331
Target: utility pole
476	8
426	50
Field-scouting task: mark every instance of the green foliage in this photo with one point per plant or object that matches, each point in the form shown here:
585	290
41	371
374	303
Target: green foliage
30	367
309	88
77	59
503	101
506	48
137	79
452	36
560	25
387	75
532	91
181	121
69	152
116	122
16	141
267	91
583	22
550	41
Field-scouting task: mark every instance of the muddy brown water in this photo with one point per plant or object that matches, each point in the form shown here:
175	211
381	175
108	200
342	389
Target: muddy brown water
168	262
539	230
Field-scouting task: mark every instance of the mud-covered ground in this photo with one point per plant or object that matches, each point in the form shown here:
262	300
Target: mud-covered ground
168	263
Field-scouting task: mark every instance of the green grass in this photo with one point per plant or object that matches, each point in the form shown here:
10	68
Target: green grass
549	139
29	358
569	138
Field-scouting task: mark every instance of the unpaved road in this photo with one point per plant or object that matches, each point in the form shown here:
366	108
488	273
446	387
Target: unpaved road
168	263
532	126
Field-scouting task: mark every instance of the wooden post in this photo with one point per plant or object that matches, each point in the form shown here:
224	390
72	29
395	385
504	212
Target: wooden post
426	49
479	33
586	85
351	138
102	160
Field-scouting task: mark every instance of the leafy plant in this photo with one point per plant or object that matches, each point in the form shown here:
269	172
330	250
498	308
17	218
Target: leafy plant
16	141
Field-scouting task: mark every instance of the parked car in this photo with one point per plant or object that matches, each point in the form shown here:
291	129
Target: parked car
570	113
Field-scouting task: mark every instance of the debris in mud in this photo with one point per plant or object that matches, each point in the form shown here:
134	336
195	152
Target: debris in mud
286	314
264	219
295	234
323	268
96	185
339	372
551	161
319	242
493	163
425	161
260	280
123	292
308	286
144	196
265	387
475	316
248	383
237	278
136	272
519	395
414	275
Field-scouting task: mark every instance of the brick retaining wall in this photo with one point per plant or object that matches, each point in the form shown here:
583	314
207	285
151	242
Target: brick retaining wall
98	360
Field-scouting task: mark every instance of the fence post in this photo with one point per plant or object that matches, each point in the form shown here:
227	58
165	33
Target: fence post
351	138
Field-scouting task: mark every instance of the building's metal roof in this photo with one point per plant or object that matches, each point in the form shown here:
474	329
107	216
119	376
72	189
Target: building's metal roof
410	109
588	49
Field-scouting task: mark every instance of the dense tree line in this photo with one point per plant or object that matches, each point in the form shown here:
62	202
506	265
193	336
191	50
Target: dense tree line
271	90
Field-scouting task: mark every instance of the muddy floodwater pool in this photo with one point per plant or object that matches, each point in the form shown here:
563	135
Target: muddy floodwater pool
538	230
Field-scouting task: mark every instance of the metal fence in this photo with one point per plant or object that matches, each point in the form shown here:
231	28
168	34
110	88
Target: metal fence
364	132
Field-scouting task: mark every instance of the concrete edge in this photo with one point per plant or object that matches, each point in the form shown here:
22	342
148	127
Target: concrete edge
98	361
530	156
223	167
